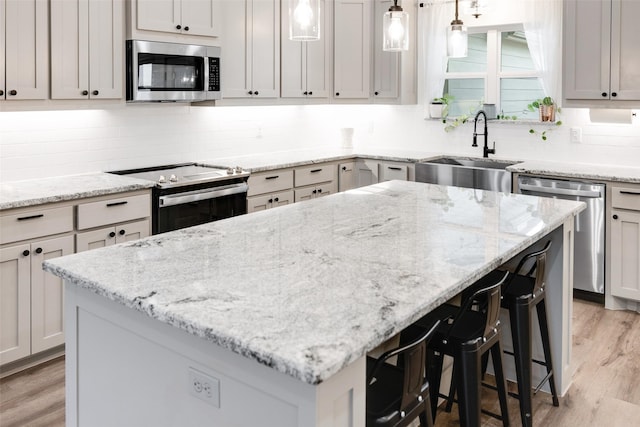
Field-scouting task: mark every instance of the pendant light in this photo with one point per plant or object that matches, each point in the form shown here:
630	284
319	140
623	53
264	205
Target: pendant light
395	26
457	41
304	20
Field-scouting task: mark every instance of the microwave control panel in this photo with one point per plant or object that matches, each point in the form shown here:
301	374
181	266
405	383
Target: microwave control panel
214	74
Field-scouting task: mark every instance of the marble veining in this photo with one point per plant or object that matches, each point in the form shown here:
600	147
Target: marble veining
16	194
310	287
579	170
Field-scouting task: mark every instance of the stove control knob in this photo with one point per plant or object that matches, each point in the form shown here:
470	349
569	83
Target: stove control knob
229	171
162	179
173	178
238	169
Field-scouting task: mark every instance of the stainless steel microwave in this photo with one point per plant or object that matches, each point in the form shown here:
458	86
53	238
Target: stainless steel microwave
172	72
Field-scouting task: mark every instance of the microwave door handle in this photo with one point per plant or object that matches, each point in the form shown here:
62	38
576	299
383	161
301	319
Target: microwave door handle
179	199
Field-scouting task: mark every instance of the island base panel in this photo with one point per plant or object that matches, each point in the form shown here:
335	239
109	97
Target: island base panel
126	369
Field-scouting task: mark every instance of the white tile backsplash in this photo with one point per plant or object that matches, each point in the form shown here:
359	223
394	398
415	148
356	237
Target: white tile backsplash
48	143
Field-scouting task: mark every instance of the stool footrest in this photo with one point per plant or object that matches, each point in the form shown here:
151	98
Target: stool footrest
544	380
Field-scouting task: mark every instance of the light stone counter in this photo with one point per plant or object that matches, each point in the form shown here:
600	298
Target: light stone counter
17	194
578	171
309	288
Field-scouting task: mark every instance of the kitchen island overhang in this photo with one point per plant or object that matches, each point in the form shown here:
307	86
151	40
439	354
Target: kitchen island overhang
304	290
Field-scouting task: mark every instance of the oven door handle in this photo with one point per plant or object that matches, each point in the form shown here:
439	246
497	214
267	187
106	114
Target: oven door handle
194	196
560	191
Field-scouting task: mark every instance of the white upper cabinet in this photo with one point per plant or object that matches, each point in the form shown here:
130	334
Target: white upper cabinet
250	41
174	21
386	65
306	66
601	54
24	48
87	49
352	49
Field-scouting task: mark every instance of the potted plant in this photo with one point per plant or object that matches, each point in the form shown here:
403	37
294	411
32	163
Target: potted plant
546	107
439	107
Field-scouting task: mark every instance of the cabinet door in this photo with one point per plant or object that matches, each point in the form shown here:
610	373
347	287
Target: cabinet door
200	17
265	48
15	305
305	193
346	176
352	20
625	55
283	198
26	49
47	294
159	15
587	35
293	59
69	49
625	254
326	188
366	172
3	8
259	203
106	53
94	239
132	231
386	65
236	45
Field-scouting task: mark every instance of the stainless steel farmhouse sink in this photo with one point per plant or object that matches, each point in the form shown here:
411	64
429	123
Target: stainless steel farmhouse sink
482	174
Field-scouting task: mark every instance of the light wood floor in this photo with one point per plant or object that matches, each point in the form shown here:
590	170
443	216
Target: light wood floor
605	391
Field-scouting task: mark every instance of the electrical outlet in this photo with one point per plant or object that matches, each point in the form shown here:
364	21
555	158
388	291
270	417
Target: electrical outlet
204	387
576	134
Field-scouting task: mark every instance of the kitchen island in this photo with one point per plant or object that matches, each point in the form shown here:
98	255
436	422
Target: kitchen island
266	319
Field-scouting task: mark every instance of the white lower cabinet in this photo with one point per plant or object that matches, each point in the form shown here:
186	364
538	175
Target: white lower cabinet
108	236
268	201
625	243
346	176
31	300
388	171
313	192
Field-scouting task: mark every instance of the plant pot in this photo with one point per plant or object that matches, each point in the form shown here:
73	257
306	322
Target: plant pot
547	113
435	110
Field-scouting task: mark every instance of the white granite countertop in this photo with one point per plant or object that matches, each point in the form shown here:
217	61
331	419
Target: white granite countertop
16	194
310	287
578	171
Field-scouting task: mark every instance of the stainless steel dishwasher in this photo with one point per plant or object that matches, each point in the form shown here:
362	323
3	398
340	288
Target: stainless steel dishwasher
589	250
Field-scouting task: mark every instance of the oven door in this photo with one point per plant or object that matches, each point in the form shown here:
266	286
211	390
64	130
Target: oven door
186	209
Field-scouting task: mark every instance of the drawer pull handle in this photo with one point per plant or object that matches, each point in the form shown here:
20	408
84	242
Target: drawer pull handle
631	193
117	204
272	177
316	170
394	168
24	218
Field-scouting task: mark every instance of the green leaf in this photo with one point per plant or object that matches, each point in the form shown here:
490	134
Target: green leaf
532	131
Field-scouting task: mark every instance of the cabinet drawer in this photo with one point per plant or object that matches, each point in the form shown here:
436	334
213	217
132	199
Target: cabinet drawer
315	174
111	211
269	182
625	198
389	171
35	223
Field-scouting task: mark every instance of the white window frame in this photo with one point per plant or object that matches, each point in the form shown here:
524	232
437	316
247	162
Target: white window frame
493	74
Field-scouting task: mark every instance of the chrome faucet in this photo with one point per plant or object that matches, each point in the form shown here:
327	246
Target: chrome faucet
486	150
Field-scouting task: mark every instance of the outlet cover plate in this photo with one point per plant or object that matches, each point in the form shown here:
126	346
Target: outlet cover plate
204	387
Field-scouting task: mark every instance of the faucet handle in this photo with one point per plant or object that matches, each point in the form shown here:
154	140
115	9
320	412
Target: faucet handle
475	140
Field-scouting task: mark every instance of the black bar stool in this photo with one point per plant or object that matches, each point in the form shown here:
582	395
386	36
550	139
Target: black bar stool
470	335
397	395
521	294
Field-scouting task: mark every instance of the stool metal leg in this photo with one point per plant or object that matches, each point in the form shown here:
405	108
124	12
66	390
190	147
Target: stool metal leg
546	346
501	383
520	316
434	371
470	388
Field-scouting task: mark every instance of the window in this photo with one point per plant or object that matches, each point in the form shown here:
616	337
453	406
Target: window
498	70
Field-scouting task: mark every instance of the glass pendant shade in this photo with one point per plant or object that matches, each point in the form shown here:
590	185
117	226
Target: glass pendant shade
457	40
395	25
304	20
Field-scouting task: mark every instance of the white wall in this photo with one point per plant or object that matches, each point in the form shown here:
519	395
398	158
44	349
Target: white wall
48	143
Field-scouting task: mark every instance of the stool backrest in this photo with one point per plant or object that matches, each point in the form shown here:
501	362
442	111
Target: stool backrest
415	380
539	265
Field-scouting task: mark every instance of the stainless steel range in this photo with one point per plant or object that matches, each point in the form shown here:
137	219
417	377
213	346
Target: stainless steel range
190	194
